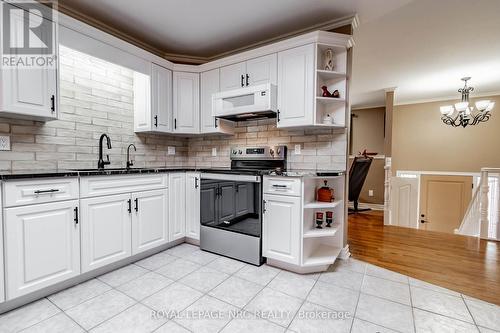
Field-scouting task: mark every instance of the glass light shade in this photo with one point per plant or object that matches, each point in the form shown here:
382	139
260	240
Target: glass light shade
462	106
490	107
482	105
447	110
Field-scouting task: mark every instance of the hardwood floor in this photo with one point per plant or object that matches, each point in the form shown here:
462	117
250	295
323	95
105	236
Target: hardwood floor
463	264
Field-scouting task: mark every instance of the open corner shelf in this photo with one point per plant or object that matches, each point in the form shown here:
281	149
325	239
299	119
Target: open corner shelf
329	125
325	232
329	100
322	205
329	75
322	255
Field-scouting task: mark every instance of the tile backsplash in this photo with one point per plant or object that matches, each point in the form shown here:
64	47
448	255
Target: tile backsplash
97	97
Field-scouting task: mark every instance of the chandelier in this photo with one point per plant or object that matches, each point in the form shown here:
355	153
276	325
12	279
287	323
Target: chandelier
461	114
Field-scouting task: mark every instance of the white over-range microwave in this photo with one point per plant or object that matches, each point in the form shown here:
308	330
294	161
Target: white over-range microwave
252	102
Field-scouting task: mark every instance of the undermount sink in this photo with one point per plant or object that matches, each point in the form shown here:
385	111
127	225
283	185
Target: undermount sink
106	169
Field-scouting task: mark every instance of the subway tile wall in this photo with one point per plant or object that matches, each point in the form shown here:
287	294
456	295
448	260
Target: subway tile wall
323	149
97	97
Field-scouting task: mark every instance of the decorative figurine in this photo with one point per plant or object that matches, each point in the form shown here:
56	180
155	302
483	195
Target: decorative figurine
329	219
336	94
326	93
327	120
319	220
328	60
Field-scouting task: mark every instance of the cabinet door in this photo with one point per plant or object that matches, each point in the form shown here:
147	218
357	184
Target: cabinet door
161	94
105	230
193	205
296	86
281	228
29	92
208	204
232	76
186	102
209	86
227	202
149	220
42	246
177	206
263	70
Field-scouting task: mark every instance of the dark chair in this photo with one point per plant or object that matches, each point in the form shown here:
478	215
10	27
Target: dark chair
357	176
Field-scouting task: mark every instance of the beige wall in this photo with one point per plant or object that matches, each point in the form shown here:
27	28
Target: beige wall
422	142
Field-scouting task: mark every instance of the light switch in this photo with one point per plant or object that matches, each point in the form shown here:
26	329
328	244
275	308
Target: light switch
370	193
214	152
297	149
4	142
171	150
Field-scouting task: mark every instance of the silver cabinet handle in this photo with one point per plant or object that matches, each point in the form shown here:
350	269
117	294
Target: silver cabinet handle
279	186
46	191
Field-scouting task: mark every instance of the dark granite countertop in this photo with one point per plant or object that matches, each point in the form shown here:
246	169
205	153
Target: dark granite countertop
26	174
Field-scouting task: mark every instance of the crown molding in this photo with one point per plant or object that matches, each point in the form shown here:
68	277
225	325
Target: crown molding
198	60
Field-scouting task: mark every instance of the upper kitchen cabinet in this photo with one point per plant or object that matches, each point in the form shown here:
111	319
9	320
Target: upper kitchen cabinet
209	124
296	86
153	100
251	72
29	91
186	96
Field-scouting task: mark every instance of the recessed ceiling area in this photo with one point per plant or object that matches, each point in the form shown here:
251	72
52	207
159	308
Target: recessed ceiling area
421	47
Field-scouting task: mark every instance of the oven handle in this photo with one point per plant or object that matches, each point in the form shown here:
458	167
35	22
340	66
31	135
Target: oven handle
231	177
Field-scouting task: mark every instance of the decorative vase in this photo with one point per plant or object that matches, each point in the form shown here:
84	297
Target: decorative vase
327	120
319	220
328	58
325	194
336	94
326	93
329	219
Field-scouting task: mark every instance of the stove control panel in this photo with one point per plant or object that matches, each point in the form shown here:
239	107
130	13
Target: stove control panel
258	153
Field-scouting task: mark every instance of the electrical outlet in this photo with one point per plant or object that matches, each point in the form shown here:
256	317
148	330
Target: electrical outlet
370	193
4	142
171	150
297	149
214	152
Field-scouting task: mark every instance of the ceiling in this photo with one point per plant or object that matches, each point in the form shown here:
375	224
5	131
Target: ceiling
422	47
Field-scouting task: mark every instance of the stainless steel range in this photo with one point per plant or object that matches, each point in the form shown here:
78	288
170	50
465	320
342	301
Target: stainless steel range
231	203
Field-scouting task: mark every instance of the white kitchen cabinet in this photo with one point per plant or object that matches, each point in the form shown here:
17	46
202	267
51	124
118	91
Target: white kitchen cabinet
281	237
232	76
263	70
153	100
177	205
186	105
193	205
42	246
2	269
29	93
255	71
296	86
209	124
106	230
149	220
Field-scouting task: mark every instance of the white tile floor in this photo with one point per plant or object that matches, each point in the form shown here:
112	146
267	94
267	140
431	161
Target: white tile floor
188	285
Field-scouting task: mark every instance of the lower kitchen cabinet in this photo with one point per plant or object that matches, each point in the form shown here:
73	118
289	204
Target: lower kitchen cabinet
149	220
281	235
177	205
193	205
42	246
106	230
